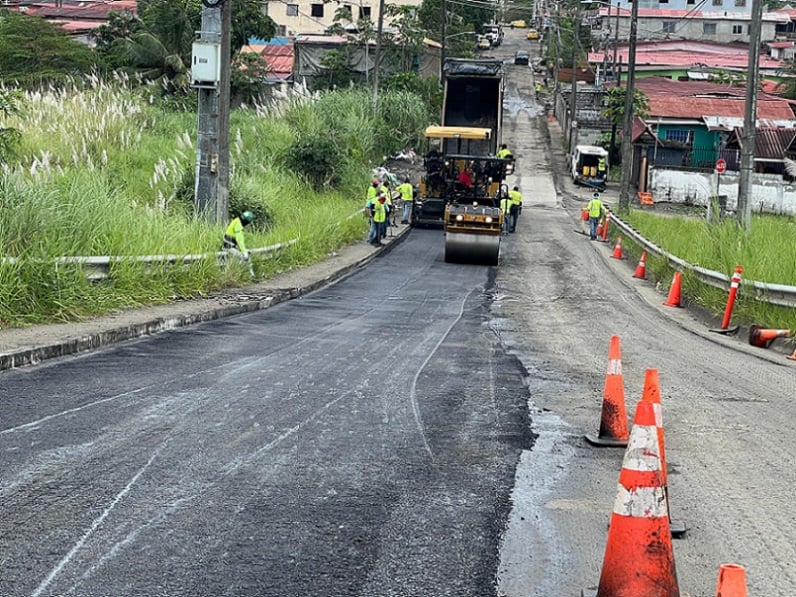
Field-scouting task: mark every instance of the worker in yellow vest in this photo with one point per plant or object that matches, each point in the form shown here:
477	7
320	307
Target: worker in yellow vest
407	196
505	207
235	240
377	210
504	151
514	210
596	210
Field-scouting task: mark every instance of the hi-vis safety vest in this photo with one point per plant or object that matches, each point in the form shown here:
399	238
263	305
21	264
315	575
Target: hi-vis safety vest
504	153
235	231
516	197
378	210
595	208
505	203
406	191
601	165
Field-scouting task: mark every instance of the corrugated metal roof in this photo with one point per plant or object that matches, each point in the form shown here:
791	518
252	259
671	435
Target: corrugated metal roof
695	99
87	10
770	143
772	16
688	54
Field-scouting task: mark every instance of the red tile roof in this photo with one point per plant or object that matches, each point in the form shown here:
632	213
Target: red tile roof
278	57
780	16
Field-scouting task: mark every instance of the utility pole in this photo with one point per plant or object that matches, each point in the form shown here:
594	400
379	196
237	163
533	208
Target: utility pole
377	58
211	190
443	18
744	211
573	119
627	129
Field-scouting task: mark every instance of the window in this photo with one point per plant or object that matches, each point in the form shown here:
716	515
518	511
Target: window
347	9
364	12
709	28
316	10
668	27
690	2
291	10
680	136
281	31
663	1
718	2
740	2
737	29
264	6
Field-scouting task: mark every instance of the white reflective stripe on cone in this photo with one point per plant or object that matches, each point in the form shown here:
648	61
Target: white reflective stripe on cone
638	456
641	502
614	367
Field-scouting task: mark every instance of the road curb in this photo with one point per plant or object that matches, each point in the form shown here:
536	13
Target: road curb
113	334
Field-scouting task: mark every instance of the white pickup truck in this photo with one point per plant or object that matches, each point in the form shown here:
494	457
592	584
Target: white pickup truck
585	166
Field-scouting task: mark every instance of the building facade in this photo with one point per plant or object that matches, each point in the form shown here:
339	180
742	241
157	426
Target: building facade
294	17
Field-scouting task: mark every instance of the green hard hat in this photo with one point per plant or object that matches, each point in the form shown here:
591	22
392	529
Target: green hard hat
247	216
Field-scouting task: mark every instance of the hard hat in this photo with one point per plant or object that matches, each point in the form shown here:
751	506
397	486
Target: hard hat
382	199
375	182
247	216
596	195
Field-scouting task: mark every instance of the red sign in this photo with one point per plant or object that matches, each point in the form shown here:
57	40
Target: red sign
721	166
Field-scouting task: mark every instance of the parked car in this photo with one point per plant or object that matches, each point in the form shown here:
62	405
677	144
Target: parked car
521	57
520	24
532	34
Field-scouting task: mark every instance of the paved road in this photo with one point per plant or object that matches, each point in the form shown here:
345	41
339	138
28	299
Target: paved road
361	440
728	408
414	429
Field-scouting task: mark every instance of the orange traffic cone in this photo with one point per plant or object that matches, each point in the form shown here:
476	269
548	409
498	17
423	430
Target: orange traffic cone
675	293
763	338
617	254
641	268
584	214
607	221
613	420
639	560
732	581
652	394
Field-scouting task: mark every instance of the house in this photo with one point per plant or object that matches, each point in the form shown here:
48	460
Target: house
781	50
278	54
79	19
316	16
310	48
726	21
772	147
685	60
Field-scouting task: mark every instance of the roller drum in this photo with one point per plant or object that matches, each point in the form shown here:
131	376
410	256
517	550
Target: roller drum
481	249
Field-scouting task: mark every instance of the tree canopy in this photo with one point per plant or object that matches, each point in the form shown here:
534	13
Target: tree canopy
33	50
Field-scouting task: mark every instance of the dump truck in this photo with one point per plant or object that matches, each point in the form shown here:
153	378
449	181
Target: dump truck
466	206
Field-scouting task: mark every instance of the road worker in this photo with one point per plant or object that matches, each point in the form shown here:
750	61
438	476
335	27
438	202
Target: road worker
234	238
515	204
407	196
376	208
504	151
596	210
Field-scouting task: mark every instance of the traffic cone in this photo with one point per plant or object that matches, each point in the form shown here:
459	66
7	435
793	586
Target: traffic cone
607	221
641	268
599	229
617	254
763	338
652	394
613	420
675	293
639	560
732	581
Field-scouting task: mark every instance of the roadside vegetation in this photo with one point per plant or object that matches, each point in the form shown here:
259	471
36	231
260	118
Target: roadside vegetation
104	169
767	254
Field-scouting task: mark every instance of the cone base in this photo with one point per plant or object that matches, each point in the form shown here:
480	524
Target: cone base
677	528
606	442
590	592
668	304
731	331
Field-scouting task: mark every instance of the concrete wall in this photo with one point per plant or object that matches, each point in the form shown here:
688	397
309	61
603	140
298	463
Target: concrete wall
770	193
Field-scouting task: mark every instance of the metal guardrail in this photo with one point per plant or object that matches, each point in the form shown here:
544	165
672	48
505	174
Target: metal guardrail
774	294
98	268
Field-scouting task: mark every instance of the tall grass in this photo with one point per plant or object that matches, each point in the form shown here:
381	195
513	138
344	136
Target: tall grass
102	170
767	254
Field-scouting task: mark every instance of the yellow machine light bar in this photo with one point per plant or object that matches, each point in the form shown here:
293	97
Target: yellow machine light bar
457	132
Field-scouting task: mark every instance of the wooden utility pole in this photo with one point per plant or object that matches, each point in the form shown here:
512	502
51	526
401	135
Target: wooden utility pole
211	190
627	129
377	58
573	117
744	211
443	18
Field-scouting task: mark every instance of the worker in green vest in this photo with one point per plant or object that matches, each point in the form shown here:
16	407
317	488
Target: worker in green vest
601	168
596	210
514	210
407	196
